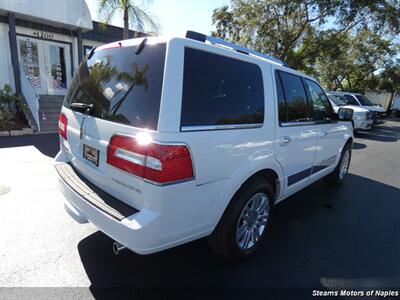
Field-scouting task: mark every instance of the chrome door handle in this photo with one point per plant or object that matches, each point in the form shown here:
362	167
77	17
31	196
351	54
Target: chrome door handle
284	140
324	133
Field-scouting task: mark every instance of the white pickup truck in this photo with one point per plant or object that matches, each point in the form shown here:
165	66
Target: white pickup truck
362	117
354	99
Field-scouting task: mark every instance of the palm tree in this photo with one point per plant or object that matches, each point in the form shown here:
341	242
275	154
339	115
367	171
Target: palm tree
134	16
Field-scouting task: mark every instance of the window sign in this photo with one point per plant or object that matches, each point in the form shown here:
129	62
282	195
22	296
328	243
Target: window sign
58	73
30	61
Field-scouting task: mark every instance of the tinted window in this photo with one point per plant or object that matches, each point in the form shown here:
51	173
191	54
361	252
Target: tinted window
337	100
349	100
320	103
218	90
364	100
122	86
281	99
295	96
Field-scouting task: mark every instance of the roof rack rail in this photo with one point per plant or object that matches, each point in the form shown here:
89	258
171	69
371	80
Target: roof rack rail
217	41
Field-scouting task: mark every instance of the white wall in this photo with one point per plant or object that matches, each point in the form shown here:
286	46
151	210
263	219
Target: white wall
381	98
6	71
68	13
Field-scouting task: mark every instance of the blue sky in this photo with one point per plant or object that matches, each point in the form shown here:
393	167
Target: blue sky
176	16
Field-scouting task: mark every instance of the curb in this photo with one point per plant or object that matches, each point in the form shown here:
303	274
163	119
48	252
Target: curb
23	131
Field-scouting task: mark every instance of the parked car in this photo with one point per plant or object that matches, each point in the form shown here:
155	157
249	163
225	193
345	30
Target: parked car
362	118
168	140
378	112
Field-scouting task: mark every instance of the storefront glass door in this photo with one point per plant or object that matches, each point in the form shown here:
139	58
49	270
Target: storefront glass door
58	65
47	65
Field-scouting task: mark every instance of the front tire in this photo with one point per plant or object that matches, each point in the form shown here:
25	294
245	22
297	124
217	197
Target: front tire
244	222
339	174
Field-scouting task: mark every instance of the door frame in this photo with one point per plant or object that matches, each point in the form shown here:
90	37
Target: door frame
52	40
41	64
46	49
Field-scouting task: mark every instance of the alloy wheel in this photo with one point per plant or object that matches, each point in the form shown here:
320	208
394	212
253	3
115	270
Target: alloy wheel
252	221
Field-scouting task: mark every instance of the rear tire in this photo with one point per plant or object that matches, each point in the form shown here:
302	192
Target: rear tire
245	221
339	174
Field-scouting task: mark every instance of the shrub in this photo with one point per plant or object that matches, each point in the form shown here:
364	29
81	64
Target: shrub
9	103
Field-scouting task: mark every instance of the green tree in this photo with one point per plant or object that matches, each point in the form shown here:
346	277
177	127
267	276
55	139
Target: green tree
134	16
293	30
353	61
389	79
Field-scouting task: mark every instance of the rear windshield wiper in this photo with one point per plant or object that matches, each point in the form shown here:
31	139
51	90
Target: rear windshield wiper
141	46
91	52
81	107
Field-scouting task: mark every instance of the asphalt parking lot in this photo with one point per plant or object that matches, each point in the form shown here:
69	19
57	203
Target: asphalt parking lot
322	237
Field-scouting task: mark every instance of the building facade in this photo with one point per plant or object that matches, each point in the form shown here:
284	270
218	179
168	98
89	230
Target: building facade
41	45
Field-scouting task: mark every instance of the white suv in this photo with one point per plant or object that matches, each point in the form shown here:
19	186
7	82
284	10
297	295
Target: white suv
168	140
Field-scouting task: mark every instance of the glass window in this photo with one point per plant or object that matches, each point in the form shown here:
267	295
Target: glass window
349	100
123	87
320	103
86	49
364	100
219	90
295	96
337	100
58	69
281	99
29	57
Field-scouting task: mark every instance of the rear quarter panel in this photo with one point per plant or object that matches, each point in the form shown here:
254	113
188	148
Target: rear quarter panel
223	157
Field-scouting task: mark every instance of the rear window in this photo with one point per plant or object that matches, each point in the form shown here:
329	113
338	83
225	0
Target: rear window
219	90
123	87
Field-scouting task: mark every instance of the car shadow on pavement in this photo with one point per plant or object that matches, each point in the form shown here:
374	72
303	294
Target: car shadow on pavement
47	144
393	119
322	232
358	146
378	136
394	130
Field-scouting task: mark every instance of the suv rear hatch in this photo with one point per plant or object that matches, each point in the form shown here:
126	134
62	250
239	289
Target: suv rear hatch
116	90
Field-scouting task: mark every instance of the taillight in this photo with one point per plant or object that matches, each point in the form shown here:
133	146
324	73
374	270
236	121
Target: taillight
158	163
62	125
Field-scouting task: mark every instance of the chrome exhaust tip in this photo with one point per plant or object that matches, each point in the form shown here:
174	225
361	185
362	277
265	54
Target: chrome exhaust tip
117	247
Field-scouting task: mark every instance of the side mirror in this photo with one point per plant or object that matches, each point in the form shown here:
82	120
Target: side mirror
345	114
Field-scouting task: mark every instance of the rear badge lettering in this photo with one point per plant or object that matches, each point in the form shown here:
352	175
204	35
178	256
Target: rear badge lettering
82	129
125	185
